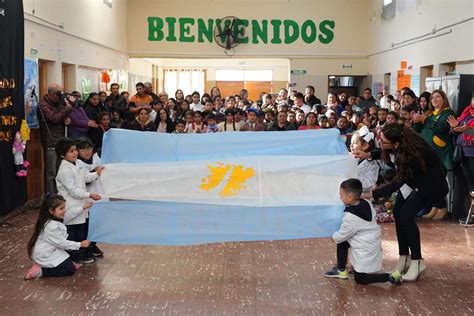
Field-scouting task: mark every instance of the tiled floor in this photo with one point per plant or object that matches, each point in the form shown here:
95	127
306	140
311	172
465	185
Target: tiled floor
256	278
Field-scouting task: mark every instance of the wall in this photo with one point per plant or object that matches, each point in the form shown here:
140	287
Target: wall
343	12
319	60
94	34
414	18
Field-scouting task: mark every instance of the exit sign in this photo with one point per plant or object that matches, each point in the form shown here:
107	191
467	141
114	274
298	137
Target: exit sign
298	72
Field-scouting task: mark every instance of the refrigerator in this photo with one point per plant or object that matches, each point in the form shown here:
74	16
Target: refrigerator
458	89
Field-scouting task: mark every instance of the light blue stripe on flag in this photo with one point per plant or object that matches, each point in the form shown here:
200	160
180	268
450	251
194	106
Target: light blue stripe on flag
177	224
124	146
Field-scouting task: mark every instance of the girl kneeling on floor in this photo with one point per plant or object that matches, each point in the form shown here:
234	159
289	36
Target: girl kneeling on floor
47	247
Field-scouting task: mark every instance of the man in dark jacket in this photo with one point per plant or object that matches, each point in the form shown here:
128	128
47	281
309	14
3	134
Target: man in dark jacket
53	117
117	102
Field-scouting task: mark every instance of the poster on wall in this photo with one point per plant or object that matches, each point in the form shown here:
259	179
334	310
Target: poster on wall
86	88
31	89
89	79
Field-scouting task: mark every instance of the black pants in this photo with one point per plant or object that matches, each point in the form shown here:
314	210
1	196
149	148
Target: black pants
77	233
468	171
408	234
65	268
86	230
361	278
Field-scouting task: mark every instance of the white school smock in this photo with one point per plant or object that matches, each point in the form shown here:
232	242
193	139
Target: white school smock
367	172
95	186
365	240
50	247
71	184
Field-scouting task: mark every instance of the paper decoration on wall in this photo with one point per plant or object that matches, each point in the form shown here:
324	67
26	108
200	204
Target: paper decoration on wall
403	80
86	88
105	77
31	90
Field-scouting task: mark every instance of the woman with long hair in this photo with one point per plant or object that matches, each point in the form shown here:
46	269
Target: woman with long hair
436	131
420	179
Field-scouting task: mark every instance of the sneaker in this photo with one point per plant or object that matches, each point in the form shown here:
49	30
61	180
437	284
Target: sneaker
34	272
462	221
335	273
95	251
85	259
395	278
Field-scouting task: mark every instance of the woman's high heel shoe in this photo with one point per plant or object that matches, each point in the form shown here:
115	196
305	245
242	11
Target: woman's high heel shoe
441	214
431	214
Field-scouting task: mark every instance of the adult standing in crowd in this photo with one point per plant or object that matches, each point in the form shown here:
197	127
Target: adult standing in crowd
420	179
367	101
117	101
310	97
435	130
149	91
140	100
53	116
463	127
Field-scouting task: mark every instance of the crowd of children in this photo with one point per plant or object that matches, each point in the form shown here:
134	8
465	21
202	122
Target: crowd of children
63	221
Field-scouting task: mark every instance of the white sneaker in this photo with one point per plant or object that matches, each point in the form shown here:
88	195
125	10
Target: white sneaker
403	264
417	267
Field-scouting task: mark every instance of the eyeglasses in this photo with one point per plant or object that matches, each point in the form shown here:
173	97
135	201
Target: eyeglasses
386	143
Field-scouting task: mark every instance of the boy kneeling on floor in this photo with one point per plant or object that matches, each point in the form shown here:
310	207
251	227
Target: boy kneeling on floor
360	232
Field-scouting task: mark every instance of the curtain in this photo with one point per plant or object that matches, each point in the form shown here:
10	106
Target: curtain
12	111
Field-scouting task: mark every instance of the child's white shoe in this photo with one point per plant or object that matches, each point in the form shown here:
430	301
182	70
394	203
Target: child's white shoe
403	264
417	267
34	272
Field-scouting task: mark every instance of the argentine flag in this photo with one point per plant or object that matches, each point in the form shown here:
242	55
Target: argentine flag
173	189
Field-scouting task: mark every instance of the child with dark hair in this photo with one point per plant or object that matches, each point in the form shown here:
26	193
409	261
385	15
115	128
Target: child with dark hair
229	124
360	232
116	121
88	161
211	124
197	126
179	127
367	170
71	183
48	244
96	134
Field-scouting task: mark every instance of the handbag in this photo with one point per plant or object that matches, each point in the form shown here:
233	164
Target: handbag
457	155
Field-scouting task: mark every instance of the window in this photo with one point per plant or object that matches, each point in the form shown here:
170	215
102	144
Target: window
188	80
243	75
388	9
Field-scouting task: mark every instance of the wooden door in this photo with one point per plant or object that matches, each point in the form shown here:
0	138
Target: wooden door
229	88
255	88
34	150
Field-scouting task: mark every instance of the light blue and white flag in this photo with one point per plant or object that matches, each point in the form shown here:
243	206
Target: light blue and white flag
202	188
